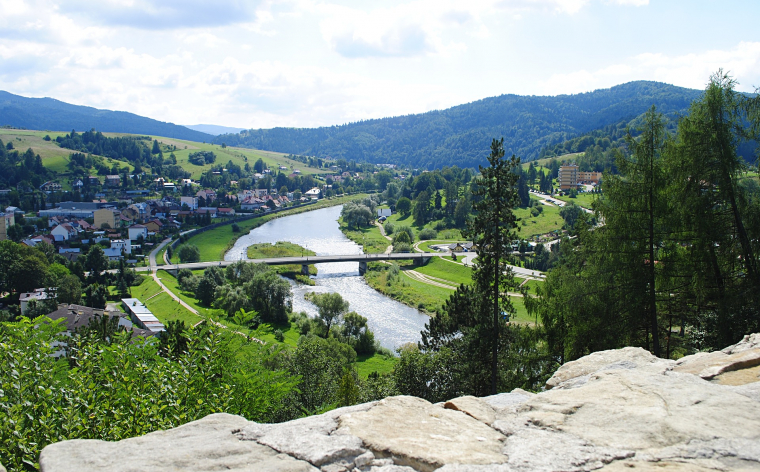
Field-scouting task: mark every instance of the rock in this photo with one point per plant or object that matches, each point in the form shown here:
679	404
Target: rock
473	406
418	434
2	469
203	445
611	411
626	358
713	364
313	439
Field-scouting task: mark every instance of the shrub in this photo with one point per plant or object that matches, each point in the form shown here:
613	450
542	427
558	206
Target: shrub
235	228
189	253
278	336
402	247
389	228
428	233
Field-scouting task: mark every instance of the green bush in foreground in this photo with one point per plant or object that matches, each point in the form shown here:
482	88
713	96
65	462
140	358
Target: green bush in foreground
122	389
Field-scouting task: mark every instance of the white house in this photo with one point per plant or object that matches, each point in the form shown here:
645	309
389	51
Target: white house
65	231
191	202
121	245
313	193
135	231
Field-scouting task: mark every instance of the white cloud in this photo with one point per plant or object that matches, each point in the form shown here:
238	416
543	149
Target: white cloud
689	70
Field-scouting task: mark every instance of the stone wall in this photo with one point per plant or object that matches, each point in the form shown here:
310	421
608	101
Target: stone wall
615	410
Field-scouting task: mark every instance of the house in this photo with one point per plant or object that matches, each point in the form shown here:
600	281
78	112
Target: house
154	226
191	202
170	186
78	317
94	180
252	203
104	216
6	221
463	247
204	210
312	193
135	231
225	211
51	186
39	294
188	183
208	195
121	245
65	230
384	212
113	180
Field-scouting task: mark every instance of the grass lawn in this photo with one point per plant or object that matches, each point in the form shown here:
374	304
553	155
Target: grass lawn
521	314
548	220
379	363
214	243
163	305
583	199
444	269
427	298
369	237
282	249
171	283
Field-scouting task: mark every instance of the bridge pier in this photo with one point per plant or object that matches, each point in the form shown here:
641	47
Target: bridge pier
362	267
421	261
305	269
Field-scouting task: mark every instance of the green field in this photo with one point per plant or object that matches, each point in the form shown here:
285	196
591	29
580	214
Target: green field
545	162
448	270
163	305
424	297
56	158
368	237
582	199
548	220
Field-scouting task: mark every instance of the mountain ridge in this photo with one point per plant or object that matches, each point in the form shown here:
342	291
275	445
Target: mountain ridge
461	135
52	114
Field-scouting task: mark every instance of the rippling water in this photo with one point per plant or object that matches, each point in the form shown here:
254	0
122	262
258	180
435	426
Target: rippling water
392	322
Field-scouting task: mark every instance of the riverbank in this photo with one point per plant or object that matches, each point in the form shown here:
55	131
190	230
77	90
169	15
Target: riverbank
215	243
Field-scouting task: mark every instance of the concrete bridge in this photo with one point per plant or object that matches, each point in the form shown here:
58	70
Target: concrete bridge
306	261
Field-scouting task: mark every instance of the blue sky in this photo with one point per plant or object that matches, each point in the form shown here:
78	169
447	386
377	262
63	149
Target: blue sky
267	63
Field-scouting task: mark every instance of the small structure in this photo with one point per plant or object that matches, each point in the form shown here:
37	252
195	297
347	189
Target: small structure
191	202
313	193
135	231
104	216
384	212
141	315
39	294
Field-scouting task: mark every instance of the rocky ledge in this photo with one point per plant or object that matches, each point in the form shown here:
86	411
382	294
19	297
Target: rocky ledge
614	411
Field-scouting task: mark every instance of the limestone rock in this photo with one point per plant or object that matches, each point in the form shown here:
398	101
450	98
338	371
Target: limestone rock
204	445
473	406
612	411
313	439
2	469
418	434
626	358
713	364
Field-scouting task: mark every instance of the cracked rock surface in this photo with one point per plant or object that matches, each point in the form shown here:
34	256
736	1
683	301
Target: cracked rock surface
620	410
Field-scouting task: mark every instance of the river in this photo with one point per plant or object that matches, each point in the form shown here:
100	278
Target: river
392	322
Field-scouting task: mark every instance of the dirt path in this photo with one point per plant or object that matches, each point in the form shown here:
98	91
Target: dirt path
389	249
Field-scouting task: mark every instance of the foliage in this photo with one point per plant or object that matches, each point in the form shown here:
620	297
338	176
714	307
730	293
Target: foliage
427	234
200	158
188	253
125	388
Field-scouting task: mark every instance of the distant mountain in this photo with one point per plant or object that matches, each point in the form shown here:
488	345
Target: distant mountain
215	130
51	114
462	135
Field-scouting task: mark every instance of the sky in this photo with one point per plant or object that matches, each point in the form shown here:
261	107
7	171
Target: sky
307	63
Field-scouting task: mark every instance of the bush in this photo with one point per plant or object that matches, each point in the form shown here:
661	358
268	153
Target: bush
278	336
235	228
188	253
389	228
427	234
402	247
404	234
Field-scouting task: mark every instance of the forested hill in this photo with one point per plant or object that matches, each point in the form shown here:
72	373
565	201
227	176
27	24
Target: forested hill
462	134
51	114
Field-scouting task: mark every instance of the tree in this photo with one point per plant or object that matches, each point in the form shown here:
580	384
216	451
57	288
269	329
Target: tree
96	295
331	308
403	206
188	253
421	208
475	320
69	289
634	212
95	262
570	213
15	232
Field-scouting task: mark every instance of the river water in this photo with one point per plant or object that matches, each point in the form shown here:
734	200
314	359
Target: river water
392	322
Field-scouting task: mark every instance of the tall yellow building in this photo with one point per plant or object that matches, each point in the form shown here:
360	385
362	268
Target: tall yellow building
568	177
6	221
104	216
